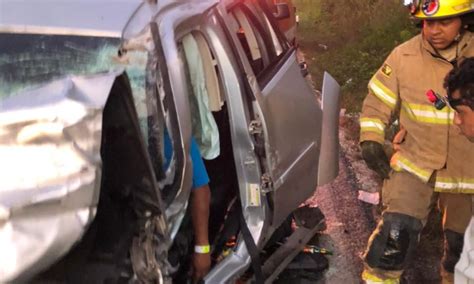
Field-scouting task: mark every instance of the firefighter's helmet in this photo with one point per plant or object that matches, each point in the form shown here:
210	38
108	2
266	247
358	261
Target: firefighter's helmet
439	9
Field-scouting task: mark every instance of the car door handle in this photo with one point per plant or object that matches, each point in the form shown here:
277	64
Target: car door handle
304	69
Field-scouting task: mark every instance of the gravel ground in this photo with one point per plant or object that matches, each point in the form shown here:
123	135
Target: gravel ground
349	220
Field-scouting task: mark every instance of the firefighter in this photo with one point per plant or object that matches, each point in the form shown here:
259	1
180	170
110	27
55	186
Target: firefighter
434	162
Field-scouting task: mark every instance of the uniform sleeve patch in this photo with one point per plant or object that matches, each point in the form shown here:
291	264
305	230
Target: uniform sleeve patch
387	70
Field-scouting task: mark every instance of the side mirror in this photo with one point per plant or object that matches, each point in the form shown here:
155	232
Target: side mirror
282	11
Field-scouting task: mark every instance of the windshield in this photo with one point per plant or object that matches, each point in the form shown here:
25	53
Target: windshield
27	60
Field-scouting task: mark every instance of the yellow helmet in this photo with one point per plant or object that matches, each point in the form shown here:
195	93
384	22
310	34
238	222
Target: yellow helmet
438	9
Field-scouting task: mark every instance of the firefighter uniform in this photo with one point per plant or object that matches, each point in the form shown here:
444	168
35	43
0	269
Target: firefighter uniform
434	162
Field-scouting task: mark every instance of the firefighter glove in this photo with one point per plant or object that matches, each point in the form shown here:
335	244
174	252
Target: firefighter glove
375	158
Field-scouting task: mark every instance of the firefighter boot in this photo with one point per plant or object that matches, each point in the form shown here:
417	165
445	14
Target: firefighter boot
390	246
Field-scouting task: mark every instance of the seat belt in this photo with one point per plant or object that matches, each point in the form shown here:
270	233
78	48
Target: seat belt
252	249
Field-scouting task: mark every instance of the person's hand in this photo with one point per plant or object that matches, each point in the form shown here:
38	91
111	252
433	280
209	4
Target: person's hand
201	265
398	139
375	158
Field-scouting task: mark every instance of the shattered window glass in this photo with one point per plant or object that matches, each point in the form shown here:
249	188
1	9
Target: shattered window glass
27	60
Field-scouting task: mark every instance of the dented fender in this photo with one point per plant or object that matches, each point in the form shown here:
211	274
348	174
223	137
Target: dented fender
50	138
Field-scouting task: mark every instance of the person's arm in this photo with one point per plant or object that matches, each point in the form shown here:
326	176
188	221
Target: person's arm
378	107
381	102
200	202
201	198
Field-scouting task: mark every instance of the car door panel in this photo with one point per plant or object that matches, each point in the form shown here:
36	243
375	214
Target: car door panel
292	121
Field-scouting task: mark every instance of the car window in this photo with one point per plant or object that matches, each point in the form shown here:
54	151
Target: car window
263	45
251	39
275	40
277	46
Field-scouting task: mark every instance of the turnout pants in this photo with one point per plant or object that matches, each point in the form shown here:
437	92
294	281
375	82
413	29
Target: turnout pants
407	202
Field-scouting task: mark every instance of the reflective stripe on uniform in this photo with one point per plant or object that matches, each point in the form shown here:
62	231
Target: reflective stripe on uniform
372	125
383	93
427	114
370	278
454	184
398	163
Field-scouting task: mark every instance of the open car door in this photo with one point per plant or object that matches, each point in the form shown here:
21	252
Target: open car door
290	117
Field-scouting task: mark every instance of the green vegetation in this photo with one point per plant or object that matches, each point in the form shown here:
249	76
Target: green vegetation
350	39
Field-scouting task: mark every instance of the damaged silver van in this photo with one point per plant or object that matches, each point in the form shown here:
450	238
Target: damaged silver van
89	88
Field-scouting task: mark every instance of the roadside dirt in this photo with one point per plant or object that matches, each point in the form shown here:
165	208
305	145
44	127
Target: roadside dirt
349	220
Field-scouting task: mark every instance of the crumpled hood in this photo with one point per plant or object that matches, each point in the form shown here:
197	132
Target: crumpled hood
50	170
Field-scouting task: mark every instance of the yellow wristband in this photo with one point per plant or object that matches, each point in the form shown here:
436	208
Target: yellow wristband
202	249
